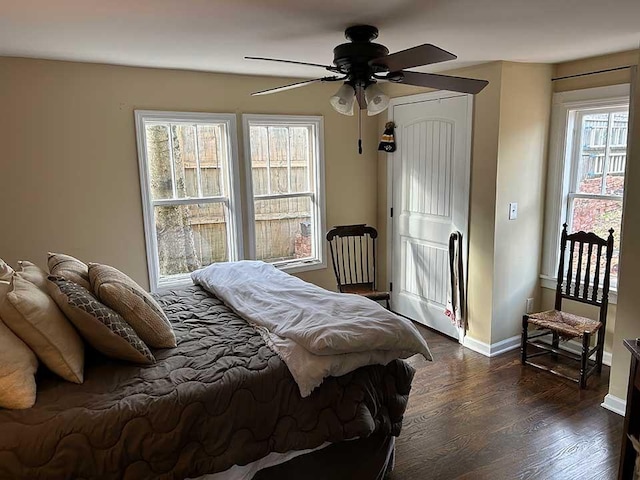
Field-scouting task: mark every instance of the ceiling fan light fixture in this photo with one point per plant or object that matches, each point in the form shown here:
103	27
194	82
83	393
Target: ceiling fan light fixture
344	99
377	100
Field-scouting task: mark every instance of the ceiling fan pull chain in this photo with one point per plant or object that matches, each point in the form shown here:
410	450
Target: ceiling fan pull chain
360	131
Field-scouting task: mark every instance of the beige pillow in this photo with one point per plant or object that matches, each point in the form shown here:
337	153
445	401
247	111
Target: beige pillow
32	273
6	272
137	307
36	319
70	268
18	366
100	326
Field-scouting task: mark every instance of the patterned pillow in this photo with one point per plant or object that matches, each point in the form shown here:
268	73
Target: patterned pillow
137	307
101	327
70	268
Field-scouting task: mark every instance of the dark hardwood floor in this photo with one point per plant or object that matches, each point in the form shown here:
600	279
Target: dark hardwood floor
472	417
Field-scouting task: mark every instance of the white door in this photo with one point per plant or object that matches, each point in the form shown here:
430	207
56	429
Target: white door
430	199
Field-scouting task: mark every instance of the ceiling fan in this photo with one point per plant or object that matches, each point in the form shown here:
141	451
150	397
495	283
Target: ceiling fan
360	64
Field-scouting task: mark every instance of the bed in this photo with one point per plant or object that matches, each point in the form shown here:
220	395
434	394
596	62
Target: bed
221	398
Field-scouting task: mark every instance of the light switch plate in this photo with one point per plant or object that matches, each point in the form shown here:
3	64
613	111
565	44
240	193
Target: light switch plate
513	211
529	306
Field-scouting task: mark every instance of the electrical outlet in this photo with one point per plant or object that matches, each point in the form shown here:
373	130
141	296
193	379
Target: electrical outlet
529	305
513	211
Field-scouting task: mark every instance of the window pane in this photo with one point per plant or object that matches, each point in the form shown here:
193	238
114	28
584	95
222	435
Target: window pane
592	153
599	216
159	159
284	229
212	156
190	237
259	141
300	158
602	153
185	160
278	160
617	154
185	177
281	159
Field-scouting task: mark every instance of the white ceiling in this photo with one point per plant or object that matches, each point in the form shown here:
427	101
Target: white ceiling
214	35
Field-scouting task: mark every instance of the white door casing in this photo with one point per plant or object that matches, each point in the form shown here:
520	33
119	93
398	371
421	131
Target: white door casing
429	195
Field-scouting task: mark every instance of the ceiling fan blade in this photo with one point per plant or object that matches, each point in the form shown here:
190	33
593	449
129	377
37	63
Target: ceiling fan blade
362	101
441	82
295	62
414	57
295	85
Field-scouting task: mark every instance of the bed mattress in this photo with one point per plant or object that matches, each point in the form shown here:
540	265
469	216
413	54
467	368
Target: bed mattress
221	398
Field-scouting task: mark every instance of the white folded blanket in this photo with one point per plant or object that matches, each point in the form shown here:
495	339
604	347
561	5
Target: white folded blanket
317	333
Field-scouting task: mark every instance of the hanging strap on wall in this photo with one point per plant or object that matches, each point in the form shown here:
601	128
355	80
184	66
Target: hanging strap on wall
456	302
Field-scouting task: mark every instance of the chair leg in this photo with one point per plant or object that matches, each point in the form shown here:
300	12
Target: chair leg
584	360
523	342
600	351
555	343
388	304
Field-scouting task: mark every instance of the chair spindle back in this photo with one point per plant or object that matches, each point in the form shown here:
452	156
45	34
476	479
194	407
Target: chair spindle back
583	272
353	255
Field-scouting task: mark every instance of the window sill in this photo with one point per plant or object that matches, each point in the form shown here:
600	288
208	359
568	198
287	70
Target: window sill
179	281
551	283
298	267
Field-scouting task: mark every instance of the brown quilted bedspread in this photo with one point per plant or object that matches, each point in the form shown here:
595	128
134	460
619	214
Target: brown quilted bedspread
222	397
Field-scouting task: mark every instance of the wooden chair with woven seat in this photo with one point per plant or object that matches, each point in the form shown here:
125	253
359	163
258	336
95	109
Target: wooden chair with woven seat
580	285
353	255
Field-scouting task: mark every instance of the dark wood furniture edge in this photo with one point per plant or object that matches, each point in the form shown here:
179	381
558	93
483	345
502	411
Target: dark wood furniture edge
632	414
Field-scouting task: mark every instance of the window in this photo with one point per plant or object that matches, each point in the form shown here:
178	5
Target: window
285	177
587	167
187	170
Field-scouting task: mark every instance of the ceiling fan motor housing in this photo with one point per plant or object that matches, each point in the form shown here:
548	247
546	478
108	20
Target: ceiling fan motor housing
353	58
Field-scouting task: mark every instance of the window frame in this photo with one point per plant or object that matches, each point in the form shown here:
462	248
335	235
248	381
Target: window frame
561	173
235	242
317	197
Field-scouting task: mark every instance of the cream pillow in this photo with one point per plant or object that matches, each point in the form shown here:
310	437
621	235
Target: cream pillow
32	273
36	319
6	272
100	326
18	366
137	307
70	268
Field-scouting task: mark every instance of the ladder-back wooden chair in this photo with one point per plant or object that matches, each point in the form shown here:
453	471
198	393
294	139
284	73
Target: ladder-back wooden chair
578	280
353	255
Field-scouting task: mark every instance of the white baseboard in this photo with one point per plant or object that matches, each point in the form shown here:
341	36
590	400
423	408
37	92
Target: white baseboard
491	350
514	342
614	404
477	346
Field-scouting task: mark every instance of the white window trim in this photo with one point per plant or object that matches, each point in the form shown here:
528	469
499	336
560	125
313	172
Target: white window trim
291	266
234	239
559	176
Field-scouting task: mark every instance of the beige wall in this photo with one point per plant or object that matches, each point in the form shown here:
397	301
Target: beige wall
628	314
525	108
69	169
